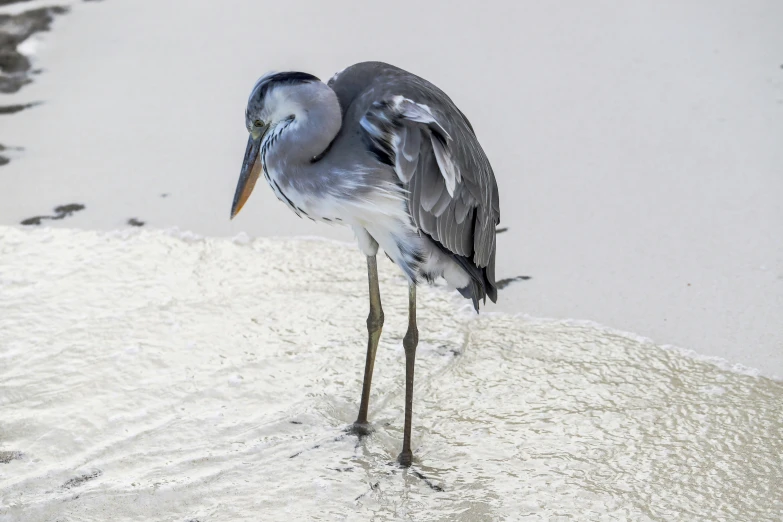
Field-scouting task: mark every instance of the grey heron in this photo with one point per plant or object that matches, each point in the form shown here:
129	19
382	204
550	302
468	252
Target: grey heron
389	154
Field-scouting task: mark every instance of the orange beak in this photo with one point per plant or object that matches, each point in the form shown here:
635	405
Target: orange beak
251	169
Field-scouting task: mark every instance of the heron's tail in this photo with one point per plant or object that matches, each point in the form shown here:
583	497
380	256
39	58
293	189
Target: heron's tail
482	280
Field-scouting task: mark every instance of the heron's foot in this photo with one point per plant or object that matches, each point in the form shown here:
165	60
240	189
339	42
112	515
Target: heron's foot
405	459
360	429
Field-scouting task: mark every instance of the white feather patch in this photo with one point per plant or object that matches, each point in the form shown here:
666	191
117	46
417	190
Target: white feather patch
421	113
417	112
447	167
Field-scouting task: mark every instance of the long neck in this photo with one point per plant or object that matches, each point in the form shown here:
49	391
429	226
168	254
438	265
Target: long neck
316	121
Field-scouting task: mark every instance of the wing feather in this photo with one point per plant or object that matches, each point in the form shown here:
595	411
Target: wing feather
405	164
436	154
433	187
413	127
443	203
452	194
461	209
411	144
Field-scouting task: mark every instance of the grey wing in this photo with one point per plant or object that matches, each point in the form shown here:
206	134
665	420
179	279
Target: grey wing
453	195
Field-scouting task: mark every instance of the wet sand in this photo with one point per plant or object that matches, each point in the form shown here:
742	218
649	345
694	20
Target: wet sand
637	152
149	376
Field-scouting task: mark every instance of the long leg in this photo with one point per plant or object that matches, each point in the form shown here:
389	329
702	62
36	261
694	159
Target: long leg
374	326
409	342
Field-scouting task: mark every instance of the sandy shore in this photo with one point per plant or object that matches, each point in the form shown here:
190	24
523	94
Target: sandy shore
160	376
636	147
148	374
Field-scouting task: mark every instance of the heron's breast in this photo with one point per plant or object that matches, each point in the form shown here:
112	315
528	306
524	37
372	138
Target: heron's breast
305	203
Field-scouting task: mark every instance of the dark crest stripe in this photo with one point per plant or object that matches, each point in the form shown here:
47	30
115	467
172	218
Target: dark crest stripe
283	78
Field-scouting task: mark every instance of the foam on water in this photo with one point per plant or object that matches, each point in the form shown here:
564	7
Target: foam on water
148	376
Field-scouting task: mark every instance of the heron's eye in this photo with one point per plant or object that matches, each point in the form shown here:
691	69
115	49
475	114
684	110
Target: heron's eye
258	123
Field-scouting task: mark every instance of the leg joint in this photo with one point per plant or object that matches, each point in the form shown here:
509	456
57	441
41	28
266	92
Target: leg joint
375	321
411	340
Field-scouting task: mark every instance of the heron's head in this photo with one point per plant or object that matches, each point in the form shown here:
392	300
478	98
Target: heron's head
276	98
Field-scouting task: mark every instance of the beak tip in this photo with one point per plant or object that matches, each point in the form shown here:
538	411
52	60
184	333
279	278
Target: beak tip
251	168
235	208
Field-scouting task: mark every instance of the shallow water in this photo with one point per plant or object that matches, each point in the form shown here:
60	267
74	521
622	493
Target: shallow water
151	376
636	144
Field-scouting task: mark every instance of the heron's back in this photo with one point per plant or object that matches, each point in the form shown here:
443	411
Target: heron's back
459	217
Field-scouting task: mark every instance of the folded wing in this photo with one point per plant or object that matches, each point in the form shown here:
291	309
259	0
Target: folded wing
452	192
